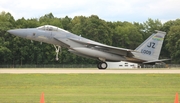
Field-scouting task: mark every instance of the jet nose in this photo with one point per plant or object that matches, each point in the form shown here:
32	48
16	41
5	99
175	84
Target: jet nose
12	32
17	32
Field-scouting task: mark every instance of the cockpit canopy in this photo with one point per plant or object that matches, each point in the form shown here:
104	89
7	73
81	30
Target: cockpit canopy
51	28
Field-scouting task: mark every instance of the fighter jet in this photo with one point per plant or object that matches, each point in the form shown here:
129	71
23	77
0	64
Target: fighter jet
148	52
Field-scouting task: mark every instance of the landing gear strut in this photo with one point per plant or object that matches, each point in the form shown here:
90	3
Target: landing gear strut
102	65
57	47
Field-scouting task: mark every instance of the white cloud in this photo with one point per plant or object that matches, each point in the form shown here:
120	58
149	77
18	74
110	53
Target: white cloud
111	10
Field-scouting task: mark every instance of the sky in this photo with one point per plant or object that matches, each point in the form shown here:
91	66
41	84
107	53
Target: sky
108	10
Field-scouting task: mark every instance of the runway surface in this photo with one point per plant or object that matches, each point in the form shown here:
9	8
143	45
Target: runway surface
85	71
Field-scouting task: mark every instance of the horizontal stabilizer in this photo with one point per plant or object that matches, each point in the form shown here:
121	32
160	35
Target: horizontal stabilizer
156	61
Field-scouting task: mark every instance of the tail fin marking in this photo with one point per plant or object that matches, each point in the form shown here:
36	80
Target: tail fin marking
151	47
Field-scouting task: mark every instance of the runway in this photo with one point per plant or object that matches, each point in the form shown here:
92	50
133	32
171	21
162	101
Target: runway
91	71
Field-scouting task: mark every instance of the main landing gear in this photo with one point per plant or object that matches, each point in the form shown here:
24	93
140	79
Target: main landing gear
57	47
102	65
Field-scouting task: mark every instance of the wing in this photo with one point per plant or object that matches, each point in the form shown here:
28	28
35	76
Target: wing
106	48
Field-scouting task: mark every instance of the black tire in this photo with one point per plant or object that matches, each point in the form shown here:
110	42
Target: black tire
102	65
99	66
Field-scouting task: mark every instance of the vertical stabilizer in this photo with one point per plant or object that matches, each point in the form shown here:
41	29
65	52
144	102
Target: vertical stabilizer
151	47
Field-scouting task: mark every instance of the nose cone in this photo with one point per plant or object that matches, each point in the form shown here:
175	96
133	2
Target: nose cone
17	32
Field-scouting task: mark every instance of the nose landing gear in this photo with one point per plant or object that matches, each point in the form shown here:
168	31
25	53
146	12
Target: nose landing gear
57	47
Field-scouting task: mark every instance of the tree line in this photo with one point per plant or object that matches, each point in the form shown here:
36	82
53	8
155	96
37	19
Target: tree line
15	50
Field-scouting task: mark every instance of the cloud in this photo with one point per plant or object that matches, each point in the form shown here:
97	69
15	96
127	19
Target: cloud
109	10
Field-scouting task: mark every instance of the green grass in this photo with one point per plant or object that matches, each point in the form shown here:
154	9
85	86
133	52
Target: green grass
89	88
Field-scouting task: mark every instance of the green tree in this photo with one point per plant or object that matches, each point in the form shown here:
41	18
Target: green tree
78	24
49	19
126	35
165	52
150	26
66	23
7	22
173	43
98	30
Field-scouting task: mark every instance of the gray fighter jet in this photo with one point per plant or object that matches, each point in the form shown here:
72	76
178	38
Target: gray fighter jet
148	52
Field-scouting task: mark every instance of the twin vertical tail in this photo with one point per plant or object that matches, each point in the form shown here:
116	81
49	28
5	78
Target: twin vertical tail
151	47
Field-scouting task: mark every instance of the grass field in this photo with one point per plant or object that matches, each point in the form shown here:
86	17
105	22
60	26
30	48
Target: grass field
89	88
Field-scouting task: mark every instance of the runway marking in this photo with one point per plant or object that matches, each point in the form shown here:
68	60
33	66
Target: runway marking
86	71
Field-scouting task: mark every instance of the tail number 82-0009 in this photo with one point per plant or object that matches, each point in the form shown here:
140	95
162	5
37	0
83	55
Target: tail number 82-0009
145	51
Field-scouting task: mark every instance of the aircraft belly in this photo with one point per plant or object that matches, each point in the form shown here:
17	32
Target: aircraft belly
98	54
135	60
80	54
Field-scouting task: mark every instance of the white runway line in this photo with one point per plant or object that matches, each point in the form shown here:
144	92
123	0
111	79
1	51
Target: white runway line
93	71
